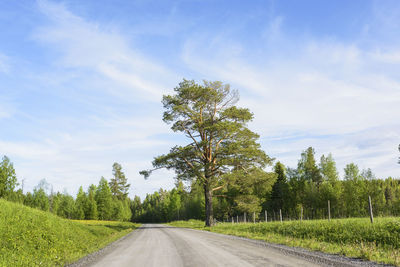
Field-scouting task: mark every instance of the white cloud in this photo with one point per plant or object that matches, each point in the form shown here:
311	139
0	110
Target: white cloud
116	83
99	48
68	160
337	97
374	148
391	57
327	88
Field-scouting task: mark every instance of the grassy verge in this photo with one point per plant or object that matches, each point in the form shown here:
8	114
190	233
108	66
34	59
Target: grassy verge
379	242
29	237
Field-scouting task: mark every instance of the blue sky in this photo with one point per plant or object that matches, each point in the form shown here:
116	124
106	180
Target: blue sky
81	81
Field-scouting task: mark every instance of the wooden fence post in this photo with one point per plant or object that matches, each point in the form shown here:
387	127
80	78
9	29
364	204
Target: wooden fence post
301	213
244	217
329	210
254	217
280	214
266	216
237	218
371	215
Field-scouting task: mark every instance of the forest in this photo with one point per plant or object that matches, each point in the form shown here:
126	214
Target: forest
307	187
106	201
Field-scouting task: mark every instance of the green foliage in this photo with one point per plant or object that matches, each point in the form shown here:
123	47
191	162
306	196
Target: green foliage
194	224
308	168
103	199
8	178
91	212
220	142
247	189
16	196
66	206
40	199
30	237
119	184
328	169
81	203
136	209
121	210
280	189
352	237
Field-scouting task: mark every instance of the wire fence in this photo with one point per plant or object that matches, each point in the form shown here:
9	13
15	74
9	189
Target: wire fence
280	216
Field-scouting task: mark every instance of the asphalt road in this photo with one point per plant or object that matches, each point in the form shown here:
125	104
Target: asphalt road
160	245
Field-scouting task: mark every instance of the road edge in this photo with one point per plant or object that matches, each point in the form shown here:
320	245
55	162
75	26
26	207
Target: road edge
92	257
314	256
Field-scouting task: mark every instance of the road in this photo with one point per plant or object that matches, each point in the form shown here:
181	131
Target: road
160	245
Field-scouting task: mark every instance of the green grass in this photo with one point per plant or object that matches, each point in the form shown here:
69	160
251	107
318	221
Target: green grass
29	237
357	237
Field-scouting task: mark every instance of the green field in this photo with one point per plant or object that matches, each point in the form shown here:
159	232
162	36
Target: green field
379	242
30	237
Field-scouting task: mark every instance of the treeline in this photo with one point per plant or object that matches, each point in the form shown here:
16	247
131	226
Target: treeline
105	201
308	187
165	206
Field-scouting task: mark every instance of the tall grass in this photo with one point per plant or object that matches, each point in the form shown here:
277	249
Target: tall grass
355	237
29	237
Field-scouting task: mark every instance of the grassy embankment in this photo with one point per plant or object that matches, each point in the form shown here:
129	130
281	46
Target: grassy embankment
379	242
29	237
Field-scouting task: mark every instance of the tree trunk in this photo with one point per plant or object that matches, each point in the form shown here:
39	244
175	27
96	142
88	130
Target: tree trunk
208	206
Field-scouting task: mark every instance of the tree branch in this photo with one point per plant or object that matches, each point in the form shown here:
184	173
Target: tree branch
194	139
217	188
191	166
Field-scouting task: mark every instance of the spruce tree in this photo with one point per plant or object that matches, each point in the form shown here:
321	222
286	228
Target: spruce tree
91	208
280	188
80	204
104	200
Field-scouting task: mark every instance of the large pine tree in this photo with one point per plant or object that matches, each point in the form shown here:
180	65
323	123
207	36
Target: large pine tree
219	141
119	183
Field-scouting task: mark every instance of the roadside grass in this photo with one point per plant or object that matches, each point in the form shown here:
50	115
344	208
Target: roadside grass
30	237
354	237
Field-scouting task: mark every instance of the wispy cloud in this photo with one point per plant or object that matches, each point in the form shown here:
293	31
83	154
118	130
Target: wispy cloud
90	87
105	93
327	87
81	158
96	47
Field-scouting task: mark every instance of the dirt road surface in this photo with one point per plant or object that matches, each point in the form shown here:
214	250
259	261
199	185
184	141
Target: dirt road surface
161	245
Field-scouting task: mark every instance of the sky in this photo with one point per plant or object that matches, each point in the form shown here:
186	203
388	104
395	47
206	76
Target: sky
81	82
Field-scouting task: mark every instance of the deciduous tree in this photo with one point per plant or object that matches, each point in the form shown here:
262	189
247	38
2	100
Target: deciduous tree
8	178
